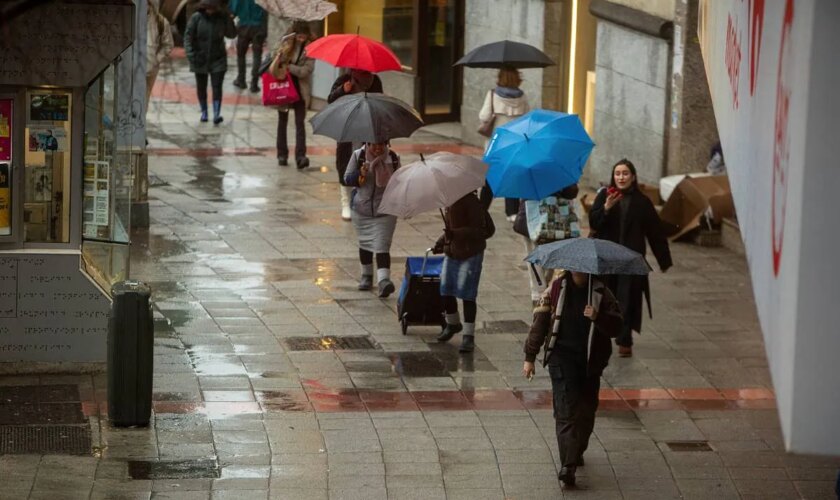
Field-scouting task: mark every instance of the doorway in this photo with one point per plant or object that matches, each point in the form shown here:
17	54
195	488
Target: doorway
440	37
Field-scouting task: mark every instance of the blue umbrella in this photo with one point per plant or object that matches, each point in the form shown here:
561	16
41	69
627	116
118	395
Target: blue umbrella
537	155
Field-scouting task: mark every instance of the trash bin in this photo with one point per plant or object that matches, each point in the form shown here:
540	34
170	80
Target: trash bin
130	354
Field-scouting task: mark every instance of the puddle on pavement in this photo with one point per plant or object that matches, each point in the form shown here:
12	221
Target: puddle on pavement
442	361
176	469
328	343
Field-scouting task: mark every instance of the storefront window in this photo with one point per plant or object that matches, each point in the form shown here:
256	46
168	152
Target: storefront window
106	185
7	106
46	208
389	21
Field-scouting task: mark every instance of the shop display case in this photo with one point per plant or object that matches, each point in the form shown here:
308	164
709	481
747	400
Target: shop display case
106	185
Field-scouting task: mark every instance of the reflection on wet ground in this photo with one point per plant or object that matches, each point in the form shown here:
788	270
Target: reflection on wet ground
441	361
173	469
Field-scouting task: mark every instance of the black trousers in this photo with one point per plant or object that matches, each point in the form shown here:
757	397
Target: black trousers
575	403
216	80
343	153
625	336
253	36
300	131
511	206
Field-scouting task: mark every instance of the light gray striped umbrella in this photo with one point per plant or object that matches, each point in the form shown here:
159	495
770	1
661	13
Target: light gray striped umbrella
589	255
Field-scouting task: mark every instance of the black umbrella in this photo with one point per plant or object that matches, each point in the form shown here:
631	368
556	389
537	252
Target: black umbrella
506	53
366	117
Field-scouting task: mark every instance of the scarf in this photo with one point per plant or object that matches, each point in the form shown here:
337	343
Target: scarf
378	166
509	92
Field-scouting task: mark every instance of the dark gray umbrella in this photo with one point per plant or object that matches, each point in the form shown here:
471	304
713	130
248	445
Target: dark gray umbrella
589	255
365	117
506	53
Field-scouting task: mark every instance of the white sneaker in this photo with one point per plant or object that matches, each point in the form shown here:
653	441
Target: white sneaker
511	218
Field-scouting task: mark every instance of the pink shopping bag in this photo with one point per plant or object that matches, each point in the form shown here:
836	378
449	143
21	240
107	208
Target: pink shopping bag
278	92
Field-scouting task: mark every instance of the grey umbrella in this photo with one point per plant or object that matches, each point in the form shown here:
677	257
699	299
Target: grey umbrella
365	117
589	255
592	256
505	53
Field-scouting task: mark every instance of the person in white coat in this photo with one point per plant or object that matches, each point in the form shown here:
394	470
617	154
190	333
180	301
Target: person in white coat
506	102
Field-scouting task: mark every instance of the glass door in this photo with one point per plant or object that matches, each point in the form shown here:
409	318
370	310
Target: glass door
441	44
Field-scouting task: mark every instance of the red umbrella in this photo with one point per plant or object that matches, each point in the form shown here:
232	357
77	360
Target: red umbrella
354	51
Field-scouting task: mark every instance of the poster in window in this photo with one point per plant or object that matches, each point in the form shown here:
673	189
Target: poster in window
38	183
49	107
6	106
5	199
47	139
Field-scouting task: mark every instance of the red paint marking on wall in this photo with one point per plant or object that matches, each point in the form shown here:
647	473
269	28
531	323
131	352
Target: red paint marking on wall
756	29
781	145
732	58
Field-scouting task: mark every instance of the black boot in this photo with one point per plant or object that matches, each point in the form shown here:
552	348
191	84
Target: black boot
449	331
467	344
567	476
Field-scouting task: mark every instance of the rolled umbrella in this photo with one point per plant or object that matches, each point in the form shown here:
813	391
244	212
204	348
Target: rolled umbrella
354	51
537	155
365	117
305	10
434	182
505	53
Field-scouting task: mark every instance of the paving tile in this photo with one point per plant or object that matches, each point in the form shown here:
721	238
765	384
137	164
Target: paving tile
708	489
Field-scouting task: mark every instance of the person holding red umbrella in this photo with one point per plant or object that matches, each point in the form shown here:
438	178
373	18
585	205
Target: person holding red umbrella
362	57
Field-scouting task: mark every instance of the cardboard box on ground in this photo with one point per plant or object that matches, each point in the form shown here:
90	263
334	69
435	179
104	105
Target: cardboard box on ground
693	198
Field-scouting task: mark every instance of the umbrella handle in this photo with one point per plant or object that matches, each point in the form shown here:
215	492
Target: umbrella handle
536	274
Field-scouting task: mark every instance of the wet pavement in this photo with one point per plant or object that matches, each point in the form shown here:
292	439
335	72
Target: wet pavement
276	378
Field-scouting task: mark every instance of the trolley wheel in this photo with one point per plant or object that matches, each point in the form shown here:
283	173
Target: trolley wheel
404	325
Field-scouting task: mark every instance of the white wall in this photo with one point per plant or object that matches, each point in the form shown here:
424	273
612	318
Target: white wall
776	109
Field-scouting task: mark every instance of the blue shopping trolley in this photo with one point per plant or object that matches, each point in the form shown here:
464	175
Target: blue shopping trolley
419	302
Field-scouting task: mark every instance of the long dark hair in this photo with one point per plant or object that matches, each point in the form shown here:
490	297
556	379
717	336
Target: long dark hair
630	166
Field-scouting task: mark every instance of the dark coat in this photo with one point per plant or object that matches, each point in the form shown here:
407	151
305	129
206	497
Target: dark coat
641	222
204	41
344	150
465	234
607	324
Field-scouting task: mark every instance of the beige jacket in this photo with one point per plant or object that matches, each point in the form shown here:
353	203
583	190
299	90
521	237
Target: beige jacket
159	41
505	108
302	70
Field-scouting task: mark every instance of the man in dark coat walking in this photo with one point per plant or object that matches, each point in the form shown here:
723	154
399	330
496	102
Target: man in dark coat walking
563	320
351	82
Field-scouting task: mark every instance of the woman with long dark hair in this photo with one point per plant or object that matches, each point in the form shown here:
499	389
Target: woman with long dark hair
624	215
